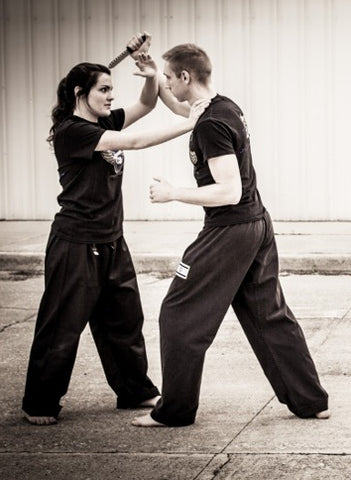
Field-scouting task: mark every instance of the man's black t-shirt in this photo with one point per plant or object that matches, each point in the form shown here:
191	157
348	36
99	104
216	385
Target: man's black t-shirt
222	130
91	198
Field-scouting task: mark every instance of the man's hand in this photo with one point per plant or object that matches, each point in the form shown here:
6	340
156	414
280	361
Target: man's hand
147	66
161	191
138	45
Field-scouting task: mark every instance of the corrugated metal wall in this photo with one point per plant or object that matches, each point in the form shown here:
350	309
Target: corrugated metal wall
286	62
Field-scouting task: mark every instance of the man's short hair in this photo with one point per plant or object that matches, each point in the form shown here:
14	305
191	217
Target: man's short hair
191	58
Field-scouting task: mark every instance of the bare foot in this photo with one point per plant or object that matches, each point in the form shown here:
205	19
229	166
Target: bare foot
39	420
149	402
324	415
146	421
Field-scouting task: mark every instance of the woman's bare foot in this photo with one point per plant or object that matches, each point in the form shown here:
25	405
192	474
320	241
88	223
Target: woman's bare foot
146	421
149	402
39	420
324	415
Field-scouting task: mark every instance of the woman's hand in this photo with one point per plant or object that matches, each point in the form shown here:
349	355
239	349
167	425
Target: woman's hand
138	45
147	66
197	109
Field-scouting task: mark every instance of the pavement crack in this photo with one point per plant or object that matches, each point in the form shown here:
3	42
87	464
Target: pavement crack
217	458
217	462
9	325
333	325
217	471
248	423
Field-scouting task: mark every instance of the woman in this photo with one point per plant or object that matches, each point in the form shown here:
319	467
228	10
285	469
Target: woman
89	275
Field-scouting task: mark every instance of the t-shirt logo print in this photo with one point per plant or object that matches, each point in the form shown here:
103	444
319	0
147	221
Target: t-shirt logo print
115	158
192	154
193	157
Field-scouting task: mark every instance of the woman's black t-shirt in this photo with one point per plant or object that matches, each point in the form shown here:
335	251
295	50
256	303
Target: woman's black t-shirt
91	198
222	130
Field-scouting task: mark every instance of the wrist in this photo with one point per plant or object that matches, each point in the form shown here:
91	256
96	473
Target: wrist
174	194
190	122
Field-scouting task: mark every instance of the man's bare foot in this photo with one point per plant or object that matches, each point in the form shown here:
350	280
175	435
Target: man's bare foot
146	421
324	415
149	402
39	420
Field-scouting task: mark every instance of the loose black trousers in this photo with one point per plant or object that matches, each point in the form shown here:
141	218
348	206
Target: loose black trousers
95	284
233	265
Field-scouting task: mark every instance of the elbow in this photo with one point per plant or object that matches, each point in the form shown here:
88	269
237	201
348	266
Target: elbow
235	195
140	143
137	145
149	106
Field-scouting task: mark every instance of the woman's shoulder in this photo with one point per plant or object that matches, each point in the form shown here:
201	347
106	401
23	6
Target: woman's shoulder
75	123
114	121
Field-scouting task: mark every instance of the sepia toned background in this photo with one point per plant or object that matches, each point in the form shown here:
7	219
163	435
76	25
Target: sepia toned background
285	62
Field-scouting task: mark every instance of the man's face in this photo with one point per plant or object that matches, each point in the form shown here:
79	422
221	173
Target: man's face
178	86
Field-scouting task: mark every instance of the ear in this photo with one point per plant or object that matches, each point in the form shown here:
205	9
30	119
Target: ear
76	90
185	76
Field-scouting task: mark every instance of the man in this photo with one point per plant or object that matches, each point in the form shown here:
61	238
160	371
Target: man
233	261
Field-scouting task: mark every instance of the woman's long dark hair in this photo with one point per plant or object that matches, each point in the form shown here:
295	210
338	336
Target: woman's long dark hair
84	75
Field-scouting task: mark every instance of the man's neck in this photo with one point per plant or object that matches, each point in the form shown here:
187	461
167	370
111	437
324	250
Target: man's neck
202	92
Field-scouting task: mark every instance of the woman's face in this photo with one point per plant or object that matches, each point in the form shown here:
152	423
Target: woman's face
100	97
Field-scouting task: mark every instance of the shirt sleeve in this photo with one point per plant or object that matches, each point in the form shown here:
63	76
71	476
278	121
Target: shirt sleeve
82	139
215	139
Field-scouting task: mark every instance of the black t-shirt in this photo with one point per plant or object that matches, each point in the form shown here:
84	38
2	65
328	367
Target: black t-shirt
91	198
222	130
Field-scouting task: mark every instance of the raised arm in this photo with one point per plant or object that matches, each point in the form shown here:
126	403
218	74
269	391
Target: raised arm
114	140
167	97
147	68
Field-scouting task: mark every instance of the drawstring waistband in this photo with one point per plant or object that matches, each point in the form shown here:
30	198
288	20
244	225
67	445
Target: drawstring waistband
96	251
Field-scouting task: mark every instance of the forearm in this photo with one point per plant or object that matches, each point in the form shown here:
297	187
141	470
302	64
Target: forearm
226	189
214	195
111	140
167	97
149	93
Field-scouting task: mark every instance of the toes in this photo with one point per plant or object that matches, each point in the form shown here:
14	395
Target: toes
135	422
323	415
146	421
39	420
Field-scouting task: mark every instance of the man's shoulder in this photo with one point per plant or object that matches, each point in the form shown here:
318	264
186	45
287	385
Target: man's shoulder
221	110
223	102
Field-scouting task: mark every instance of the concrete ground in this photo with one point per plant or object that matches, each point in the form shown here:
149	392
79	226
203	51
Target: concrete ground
241	432
304	247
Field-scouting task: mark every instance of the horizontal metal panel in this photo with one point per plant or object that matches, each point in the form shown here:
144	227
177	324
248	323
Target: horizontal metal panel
285	62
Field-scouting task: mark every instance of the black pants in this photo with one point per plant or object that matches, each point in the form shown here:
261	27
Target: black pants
234	265
95	284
